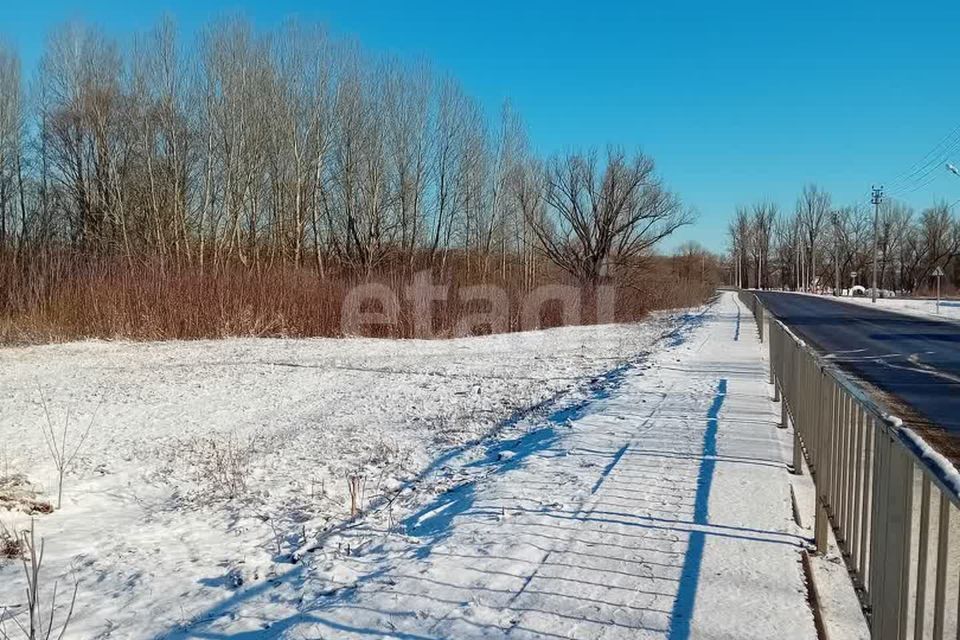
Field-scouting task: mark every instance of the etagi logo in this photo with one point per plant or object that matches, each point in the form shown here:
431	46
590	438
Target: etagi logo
485	306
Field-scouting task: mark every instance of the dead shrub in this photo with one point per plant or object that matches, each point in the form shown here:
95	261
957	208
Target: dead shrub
11	546
388	454
220	465
17	493
61	296
62	445
44	620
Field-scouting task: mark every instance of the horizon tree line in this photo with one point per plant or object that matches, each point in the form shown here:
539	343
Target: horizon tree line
820	246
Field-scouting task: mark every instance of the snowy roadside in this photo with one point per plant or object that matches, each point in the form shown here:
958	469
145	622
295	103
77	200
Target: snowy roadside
658	507
919	307
210	463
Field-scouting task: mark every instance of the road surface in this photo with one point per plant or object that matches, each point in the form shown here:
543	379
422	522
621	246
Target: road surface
914	361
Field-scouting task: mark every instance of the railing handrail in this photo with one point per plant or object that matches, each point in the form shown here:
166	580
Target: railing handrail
939	469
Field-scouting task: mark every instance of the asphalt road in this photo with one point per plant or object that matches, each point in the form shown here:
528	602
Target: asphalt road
913	360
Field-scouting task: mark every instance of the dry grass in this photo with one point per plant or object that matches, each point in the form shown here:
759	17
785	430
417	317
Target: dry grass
221	465
60	297
17	493
11	546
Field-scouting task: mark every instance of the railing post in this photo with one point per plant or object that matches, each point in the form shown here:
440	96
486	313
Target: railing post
943	551
902	523
858	495
889	584
829	426
866	508
773	377
878	540
821	414
797	453
759	316
820	527
922	557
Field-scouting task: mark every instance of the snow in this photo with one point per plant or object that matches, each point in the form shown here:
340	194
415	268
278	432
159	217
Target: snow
919	307
616	481
146	525
938	464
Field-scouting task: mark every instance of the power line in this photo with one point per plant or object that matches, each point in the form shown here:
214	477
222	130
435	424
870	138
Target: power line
928	176
929	163
925	158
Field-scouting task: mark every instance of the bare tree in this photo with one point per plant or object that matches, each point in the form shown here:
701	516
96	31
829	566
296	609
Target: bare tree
248	149
508	149
85	134
812	211
529	191
785	252
449	130
940	234
11	146
895	220
602	218
763	215
741	241
407	95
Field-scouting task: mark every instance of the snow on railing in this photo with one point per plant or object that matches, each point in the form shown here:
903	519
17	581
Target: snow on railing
944	471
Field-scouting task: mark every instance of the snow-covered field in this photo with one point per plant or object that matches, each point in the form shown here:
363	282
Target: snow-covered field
660	508
591	482
923	308
210	466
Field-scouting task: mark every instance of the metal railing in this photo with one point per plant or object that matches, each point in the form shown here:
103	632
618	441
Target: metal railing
892	503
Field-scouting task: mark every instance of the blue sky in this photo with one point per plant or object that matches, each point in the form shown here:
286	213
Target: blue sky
735	101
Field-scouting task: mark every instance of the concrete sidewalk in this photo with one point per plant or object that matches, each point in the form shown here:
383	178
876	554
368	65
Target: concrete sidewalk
660	508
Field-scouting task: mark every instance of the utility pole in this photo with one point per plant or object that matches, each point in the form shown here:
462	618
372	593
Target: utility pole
875	199
835	217
803	266
798	265
759	268
740	267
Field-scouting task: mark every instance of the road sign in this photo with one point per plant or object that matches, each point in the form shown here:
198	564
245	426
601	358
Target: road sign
938	273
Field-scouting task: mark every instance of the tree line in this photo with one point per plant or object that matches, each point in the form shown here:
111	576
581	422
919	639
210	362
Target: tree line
291	147
822	246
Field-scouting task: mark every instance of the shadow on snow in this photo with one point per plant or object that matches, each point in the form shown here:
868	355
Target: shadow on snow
433	522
